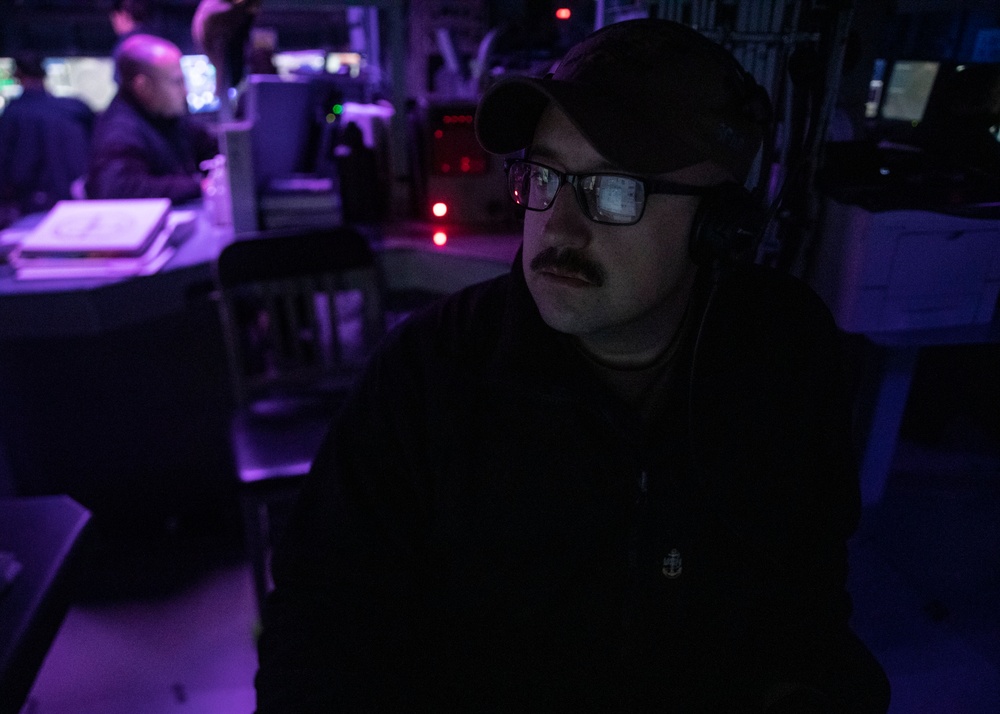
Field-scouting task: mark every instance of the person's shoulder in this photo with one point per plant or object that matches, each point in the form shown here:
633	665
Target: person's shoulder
446	340
110	113
119	110
464	323
26	105
769	291
11	112
75	104
70	108
768	314
31	107
118	123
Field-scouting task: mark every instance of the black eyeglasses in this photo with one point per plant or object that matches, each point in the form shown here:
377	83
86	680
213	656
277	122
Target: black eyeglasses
616	199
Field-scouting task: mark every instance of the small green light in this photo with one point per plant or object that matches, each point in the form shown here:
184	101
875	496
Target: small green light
338	108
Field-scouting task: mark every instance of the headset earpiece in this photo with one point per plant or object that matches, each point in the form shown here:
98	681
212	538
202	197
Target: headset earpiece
727	226
731	219
758	106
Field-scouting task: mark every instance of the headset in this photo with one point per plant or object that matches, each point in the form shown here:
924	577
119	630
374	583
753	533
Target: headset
728	225
731	219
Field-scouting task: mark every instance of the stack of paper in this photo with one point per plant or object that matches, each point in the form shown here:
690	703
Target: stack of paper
111	238
300	202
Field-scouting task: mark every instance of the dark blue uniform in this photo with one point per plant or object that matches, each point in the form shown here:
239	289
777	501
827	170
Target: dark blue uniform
44	147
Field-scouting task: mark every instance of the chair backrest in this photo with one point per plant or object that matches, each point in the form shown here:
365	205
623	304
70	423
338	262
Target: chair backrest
300	312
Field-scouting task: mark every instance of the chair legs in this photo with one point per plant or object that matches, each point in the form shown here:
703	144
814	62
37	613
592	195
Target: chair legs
266	507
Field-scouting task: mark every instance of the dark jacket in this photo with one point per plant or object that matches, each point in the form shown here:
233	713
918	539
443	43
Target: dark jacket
487	529
44	147
136	155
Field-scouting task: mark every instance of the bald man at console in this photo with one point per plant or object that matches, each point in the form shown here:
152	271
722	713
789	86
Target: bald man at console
145	145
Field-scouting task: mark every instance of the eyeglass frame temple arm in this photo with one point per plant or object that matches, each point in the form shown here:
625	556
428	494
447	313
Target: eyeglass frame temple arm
650	185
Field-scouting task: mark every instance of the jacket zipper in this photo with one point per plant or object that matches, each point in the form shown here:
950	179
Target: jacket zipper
630	604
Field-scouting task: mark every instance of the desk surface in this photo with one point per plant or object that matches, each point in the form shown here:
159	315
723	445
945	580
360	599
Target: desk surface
987	332
43	533
88	306
204	244
91	306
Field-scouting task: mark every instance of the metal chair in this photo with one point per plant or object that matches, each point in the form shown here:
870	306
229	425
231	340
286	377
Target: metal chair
300	313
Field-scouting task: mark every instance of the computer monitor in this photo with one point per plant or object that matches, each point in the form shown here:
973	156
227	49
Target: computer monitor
91	79
962	119
966	91
199	76
282	113
300	62
9	87
908	90
349	63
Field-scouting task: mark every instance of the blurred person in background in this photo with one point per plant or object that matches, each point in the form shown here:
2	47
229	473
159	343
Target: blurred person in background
145	144
44	143
130	17
221	29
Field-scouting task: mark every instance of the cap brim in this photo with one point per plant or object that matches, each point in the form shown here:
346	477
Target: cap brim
509	112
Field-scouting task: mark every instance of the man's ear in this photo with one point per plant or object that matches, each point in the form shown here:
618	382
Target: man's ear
141	86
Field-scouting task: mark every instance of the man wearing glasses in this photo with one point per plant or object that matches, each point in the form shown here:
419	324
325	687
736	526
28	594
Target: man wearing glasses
615	480
145	145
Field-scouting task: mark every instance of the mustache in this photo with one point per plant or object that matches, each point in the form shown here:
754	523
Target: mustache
571	261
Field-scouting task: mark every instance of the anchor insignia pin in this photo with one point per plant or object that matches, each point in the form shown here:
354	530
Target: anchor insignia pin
672	564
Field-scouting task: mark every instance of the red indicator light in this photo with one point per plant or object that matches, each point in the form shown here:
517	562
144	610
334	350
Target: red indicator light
438	133
439	209
440	238
563	13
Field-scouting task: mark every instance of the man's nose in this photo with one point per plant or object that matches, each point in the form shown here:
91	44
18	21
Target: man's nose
566	224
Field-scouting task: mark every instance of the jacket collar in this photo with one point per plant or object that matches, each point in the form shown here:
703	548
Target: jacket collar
529	346
529	351
533	357
161	124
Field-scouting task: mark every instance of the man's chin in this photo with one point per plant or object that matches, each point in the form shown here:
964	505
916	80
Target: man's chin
561	314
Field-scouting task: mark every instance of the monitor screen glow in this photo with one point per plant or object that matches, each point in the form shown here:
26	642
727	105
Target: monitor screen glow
91	79
349	63
908	89
199	76
300	62
9	87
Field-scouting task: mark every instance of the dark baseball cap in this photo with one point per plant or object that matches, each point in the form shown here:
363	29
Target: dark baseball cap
651	96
